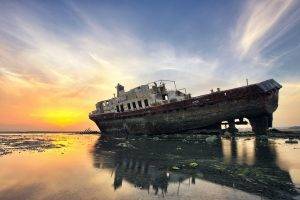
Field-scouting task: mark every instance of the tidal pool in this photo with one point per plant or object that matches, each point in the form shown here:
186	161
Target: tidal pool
71	166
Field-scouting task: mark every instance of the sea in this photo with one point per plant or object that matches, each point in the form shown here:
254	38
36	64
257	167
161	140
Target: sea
63	166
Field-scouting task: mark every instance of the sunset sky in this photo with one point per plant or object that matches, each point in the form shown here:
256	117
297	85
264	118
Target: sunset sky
58	58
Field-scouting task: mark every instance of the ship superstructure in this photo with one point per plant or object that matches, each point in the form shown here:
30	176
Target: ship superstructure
144	96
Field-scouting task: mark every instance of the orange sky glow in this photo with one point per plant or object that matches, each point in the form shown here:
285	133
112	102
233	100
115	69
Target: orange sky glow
57	61
28	107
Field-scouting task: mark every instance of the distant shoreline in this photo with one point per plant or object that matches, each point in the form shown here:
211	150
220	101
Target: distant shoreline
81	132
285	132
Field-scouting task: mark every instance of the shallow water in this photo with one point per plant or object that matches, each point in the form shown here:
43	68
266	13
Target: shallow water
70	166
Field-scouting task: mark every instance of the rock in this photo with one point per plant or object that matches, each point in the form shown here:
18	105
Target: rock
193	165
155	138
274	130
262	139
211	139
175	168
291	141
125	145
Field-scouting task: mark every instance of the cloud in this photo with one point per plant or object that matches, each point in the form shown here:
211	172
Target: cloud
260	18
47	62
187	69
53	73
263	36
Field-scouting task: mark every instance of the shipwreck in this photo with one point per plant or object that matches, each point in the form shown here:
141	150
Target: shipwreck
153	109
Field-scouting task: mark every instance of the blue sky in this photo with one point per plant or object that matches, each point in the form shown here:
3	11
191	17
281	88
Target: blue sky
69	50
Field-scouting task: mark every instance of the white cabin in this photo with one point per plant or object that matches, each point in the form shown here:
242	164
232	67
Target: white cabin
148	95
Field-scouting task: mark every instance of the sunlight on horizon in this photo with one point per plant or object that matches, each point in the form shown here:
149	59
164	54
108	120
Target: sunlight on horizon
61	117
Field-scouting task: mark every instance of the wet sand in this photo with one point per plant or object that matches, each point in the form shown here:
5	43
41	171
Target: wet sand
73	166
17	142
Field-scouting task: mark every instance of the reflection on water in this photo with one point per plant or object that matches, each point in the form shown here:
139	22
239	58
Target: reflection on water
89	167
244	164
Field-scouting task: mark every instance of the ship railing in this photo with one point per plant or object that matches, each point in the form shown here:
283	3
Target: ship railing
163	81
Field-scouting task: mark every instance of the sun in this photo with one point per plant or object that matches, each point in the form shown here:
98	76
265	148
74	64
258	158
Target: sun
60	116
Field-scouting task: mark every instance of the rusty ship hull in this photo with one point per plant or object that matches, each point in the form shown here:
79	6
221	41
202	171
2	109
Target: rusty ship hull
255	102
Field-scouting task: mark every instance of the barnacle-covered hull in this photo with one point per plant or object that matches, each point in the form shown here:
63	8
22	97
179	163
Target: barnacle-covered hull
255	102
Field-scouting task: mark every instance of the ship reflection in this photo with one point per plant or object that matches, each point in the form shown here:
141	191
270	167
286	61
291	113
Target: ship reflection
245	164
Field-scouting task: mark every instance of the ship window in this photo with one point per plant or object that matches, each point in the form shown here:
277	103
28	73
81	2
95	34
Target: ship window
122	108
165	97
140	104
133	105
117	107
128	106
146	102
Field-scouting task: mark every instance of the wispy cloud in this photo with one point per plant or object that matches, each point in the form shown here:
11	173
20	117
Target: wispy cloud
56	72
261	18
